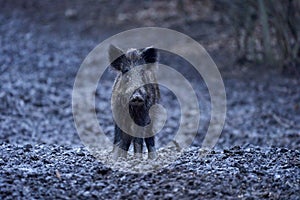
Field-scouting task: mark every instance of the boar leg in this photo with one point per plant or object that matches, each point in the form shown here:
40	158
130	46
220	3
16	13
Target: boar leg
138	147
117	138
150	143
121	143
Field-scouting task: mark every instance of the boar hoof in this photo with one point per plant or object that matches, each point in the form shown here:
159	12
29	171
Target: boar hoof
119	153
152	155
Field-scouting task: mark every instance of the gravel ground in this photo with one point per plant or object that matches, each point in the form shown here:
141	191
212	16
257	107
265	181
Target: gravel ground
42	45
52	171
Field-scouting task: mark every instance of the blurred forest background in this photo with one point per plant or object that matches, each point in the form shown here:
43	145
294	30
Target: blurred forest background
266	31
258	31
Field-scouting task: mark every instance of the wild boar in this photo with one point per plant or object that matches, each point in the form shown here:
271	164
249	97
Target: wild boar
140	99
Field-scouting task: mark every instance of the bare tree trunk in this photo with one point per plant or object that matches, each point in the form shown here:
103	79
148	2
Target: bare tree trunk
266	32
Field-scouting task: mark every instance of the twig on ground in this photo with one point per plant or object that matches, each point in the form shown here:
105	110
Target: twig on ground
284	123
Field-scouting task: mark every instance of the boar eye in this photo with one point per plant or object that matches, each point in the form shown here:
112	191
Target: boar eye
125	69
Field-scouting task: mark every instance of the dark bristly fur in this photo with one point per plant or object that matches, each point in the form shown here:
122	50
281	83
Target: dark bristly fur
141	99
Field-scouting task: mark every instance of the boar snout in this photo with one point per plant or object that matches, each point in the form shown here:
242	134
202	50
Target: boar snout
136	100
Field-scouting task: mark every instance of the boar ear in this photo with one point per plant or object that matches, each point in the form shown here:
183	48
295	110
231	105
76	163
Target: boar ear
115	57
150	55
